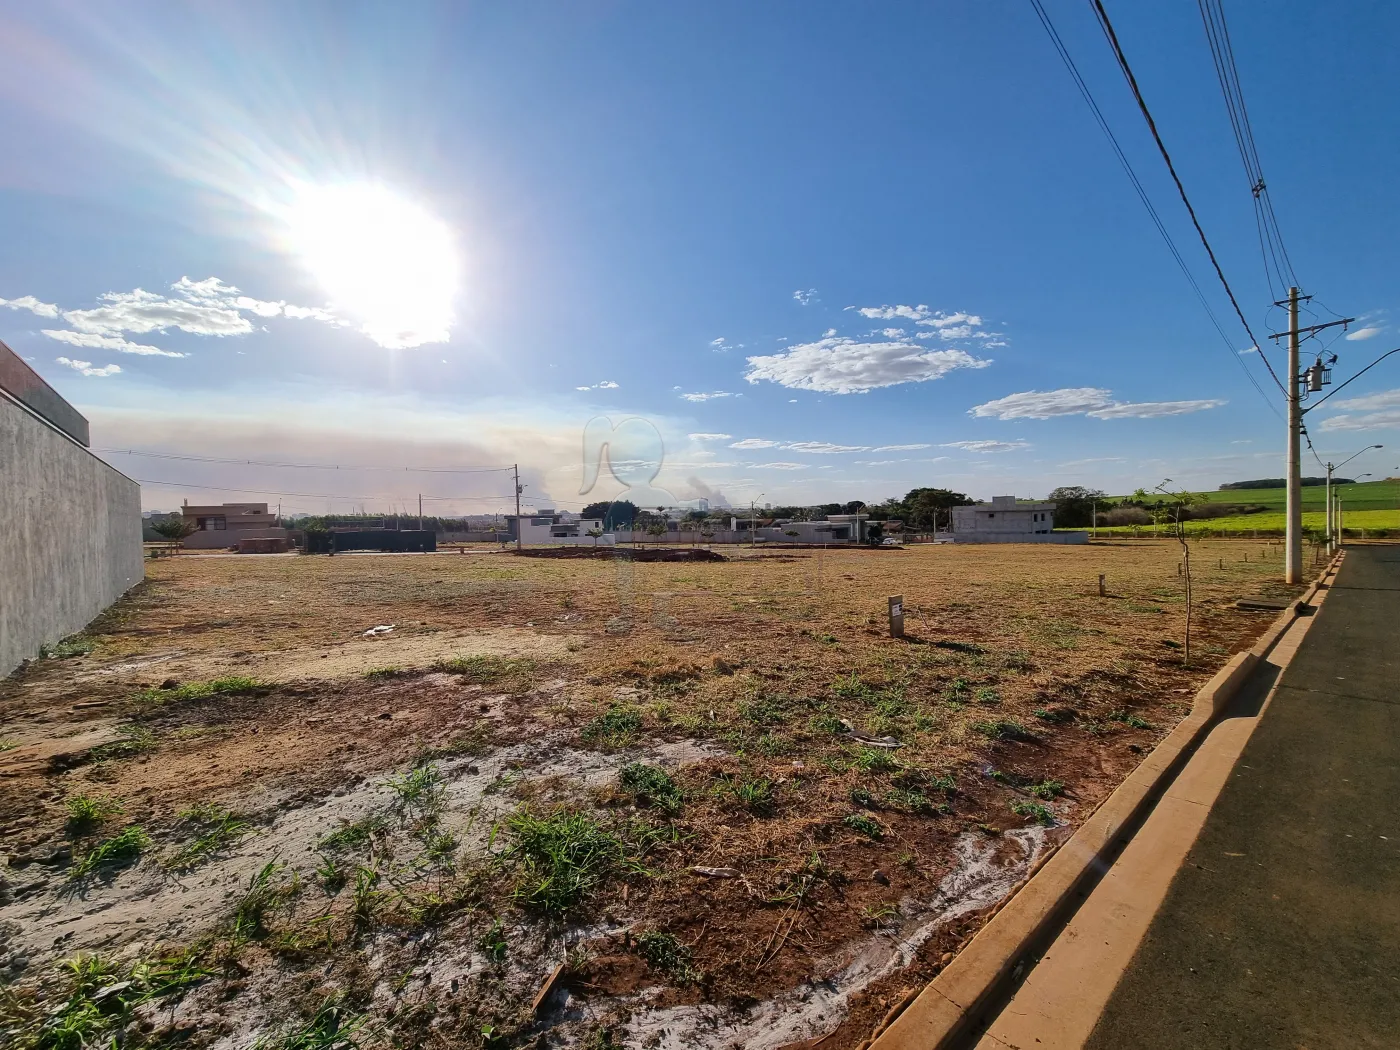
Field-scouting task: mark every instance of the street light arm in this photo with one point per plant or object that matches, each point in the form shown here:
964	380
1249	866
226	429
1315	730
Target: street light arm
1354	378
1368	448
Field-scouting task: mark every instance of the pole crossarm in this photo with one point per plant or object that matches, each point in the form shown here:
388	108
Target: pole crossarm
1312	327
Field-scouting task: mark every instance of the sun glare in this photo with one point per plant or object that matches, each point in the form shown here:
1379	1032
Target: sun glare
387	264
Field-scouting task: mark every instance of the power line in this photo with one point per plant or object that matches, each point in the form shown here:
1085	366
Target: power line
299	466
1227	72
1102	121
1112	38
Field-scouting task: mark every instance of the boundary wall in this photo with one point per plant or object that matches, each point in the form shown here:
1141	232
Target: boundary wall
70	534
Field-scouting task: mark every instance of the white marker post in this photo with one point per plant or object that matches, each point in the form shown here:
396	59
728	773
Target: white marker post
897	616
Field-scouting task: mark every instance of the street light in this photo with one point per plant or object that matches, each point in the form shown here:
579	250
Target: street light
1330	468
753	534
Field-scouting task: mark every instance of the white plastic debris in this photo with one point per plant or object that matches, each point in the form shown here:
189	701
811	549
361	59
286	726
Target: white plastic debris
383	628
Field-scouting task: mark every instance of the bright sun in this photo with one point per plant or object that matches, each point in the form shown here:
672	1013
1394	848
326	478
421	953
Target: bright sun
386	263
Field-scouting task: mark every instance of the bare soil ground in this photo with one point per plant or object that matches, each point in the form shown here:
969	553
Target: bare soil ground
254	822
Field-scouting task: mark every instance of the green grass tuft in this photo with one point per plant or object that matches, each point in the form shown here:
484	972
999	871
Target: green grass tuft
331	1027
486	670
353	834
86	812
665	954
1047	789
421	788
218	830
1003	729
122	848
562	856
865	825
198	690
1036	811
617	727
652	786
74	645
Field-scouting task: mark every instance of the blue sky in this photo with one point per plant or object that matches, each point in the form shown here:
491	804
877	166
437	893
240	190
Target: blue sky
854	248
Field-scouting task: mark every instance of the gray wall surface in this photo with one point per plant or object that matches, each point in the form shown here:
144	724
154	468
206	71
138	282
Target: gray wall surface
70	535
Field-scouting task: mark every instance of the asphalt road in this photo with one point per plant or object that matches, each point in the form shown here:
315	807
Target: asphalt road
1282	929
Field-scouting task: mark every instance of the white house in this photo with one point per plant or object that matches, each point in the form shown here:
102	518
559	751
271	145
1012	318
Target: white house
547	526
1004	520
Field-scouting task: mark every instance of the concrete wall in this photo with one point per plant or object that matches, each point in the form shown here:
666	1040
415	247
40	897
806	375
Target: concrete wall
70	535
1019	537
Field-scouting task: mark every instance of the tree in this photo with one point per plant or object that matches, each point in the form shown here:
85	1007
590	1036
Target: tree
1074	506
616	514
174	529
928	509
595	533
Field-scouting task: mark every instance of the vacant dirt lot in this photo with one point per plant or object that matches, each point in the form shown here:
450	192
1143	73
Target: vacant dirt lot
699	805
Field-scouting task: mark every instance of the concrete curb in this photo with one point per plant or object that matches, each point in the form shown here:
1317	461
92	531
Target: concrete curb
950	1006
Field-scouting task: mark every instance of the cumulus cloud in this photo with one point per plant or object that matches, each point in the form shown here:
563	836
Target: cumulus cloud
709	437
888	333
85	367
606	384
94	341
1384	399
1371	421
33	305
1382	412
208	308
889	313
837	365
987	446
805	296
706	397
1083	401
754	443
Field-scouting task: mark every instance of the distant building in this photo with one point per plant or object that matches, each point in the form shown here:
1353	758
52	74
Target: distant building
225	524
1005	520
837	528
546	526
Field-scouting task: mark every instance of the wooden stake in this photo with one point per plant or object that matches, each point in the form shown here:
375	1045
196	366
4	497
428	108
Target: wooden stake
1101	589
897	616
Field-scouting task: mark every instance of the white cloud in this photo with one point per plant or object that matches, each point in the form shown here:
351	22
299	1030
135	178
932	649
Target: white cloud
1092	459
888	333
1384	399
845	366
828	333
606	384
707	397
805	297
85	367
823	447
710	437
93	341
889	313
1373	421
1364	333
779	466
1155	409
900	448
208	307
34	306
755	443
717	342
1083	400
987	446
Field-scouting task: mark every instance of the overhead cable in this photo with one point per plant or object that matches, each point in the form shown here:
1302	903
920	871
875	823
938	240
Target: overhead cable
1123	65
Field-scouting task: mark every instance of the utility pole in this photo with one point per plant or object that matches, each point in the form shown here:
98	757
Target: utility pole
420	512
517	507
1293	560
